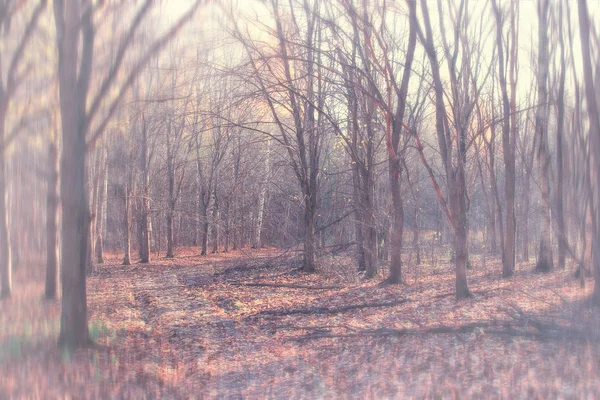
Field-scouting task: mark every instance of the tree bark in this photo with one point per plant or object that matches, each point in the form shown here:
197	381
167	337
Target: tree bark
145	209
5	248
52	222
262	197
545	262
508	248
126	224
102	198
74	203
560	126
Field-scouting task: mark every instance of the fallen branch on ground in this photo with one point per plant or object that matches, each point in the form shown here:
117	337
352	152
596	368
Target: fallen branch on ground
325	310
285	285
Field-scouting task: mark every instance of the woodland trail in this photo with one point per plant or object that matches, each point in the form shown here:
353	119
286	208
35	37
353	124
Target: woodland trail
189	327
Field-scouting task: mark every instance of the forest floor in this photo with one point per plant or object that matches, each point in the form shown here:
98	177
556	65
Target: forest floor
191	327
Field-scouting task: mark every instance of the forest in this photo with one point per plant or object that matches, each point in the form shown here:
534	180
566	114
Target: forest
299	199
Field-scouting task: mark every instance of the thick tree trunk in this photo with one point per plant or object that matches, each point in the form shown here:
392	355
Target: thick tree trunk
74	203
74	235
52	222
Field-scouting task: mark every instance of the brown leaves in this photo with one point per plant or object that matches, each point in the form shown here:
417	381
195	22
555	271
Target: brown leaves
182	328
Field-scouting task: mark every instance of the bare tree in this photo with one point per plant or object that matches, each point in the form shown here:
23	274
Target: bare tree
74	22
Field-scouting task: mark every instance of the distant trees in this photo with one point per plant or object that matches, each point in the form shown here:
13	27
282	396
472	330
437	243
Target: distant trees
311	124
12	54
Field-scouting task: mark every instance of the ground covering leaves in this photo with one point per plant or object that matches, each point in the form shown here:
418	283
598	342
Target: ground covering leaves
206	327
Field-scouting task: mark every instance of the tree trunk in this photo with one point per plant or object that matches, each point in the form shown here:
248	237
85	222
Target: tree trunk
204	231
52	222
416	241
95	191
170	252
309	237
508	140
262	196
74	203
395	276
545	262
560	125
102	198
460	233
5	249
126	225
215	224
359	220
367	191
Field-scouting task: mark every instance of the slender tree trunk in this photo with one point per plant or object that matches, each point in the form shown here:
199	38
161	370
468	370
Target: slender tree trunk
205	227
5	248
395	125
171	196
359	219
455	177
126	225
262	197
215	223
145	209
227	225
369	231
545	262
52	222
170	252
416	240
560	126
508	247
101	211
95	191
309	237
